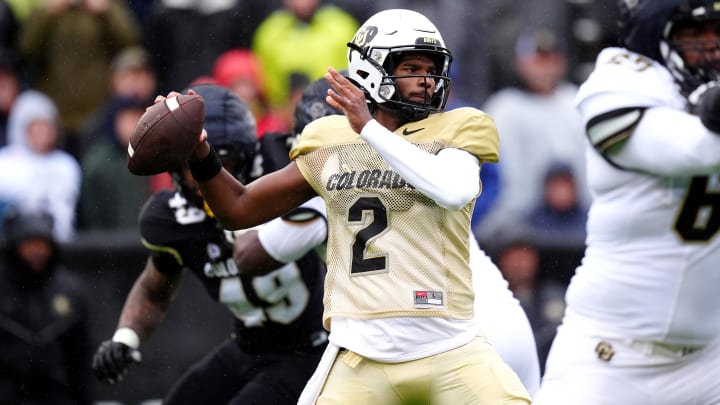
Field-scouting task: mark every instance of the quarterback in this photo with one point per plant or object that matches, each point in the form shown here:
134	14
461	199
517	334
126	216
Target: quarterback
501	318
642	323
399	177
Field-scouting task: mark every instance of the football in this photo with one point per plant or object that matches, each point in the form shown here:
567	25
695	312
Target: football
166	134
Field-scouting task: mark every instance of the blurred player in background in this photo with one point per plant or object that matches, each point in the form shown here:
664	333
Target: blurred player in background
642	323
278	337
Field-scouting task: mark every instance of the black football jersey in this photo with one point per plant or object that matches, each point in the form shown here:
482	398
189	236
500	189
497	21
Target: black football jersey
280	310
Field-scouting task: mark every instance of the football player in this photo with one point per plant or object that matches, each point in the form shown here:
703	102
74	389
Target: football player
399	177
499	313
278	336
642	323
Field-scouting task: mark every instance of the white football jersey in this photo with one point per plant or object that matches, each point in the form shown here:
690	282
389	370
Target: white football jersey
652	265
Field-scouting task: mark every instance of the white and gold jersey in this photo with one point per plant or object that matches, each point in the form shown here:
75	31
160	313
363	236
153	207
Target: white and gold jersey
652	264
392	251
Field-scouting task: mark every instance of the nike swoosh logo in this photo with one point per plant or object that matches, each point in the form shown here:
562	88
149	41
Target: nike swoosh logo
408	132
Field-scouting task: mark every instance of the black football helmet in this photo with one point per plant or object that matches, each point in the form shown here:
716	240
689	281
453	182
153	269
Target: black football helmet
312	104
646	25
275	146
232	132
377	47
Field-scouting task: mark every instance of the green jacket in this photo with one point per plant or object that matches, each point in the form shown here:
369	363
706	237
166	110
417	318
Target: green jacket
286	45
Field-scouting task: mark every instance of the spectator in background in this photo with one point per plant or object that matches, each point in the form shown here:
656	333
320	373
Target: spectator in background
111	196
560	215
23	8
201	31
131	76
44	331
141	9
538	124
69	46
9	29
542	298
489	177
9	90
239	70
300	40
34	173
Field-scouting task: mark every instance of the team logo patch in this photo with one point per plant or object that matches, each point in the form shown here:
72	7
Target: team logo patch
605	351
428	299
365	35
61	305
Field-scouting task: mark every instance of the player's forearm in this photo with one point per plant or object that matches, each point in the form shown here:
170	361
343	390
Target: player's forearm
148	302
237	206
250	256
452	179
224	195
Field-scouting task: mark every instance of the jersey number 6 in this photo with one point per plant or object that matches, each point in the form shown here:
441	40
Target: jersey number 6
699	217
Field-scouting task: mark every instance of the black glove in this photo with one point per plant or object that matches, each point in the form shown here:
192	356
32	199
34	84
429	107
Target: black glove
708	109
704	102
112	360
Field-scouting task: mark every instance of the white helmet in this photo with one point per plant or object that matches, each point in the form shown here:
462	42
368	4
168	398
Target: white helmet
373	54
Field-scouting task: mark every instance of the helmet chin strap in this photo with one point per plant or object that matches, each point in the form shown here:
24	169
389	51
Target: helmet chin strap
412	113
407	112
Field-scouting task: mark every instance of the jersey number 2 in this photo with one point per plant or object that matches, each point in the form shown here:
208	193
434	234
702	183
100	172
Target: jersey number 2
378	224
699	218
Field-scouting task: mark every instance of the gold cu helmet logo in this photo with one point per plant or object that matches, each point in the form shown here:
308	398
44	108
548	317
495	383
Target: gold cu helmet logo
365	35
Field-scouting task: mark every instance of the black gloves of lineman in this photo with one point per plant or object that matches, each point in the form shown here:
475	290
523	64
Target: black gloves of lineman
708	107
112	360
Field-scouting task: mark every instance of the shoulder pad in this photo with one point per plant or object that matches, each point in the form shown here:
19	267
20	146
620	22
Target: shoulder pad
613	127
158	252
275	151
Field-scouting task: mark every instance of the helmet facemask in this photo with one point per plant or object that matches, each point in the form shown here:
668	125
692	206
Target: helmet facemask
693	62
434	101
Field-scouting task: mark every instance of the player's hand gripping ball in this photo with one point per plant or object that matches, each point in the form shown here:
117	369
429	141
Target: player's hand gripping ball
166	134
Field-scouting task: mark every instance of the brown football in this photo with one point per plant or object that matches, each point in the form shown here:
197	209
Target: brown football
166	135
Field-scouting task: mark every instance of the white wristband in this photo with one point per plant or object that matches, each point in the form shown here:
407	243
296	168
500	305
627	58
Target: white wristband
127	336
